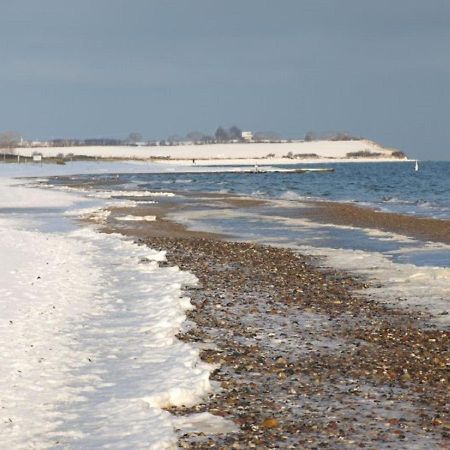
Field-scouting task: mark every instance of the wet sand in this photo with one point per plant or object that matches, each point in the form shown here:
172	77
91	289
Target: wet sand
422	228
429	229
163	226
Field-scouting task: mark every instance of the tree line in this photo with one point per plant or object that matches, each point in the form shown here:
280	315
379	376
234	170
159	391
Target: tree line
12	139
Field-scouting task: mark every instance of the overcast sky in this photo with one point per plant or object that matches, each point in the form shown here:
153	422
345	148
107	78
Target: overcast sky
105	68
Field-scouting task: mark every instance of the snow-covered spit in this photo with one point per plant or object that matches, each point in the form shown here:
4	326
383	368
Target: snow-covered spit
230	153
88	322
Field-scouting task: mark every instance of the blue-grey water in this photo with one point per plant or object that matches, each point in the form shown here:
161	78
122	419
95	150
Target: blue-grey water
393	187
389	186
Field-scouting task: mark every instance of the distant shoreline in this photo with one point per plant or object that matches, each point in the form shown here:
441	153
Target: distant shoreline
226	154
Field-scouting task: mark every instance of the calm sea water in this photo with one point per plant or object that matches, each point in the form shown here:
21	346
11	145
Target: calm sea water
389	186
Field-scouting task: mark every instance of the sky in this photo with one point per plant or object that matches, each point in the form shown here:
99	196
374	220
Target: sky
105	68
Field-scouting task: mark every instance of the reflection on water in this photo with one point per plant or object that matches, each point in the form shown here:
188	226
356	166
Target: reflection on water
258	224
389	186
407	268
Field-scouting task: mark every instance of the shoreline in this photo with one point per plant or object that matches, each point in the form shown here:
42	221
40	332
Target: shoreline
303	360
278	161
320	212
298	352
288	337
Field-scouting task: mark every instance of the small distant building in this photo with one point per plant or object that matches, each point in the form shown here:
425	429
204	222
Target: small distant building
39	144
247	136
37	157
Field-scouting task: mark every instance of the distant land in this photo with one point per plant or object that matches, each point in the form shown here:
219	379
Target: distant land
232	146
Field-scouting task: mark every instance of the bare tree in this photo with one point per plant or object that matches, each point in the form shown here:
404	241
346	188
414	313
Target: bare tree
134	137
195	136
266	136
310	136
221	135
235	132
9	139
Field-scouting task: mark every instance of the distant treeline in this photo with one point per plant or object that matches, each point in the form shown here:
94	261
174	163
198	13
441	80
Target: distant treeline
85	142
12	139
331	136
371	154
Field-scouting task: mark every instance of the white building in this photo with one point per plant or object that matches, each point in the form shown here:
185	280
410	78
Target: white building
37	157
247	136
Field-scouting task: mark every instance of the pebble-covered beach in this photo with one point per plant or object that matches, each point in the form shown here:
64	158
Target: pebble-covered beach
303	361
304	357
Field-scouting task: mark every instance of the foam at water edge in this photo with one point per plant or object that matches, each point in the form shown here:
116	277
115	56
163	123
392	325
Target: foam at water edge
131	218
111	194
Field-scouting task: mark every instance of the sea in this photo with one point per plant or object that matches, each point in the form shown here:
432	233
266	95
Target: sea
405	269
387	186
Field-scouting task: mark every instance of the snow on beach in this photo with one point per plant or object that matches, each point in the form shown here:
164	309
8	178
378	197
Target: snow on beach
233	153
89	354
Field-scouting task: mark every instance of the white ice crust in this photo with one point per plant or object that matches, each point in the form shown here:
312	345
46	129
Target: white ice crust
88	321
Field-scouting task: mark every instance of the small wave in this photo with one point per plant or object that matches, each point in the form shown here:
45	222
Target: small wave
97	215
416	202
111	194
258	193
291	195
130	218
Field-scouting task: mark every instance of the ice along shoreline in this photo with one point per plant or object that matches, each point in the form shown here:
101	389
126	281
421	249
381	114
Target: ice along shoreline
88	334
299	350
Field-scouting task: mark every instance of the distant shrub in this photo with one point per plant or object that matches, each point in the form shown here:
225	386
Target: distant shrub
306	156
291	155
330	136
399	155
363	154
